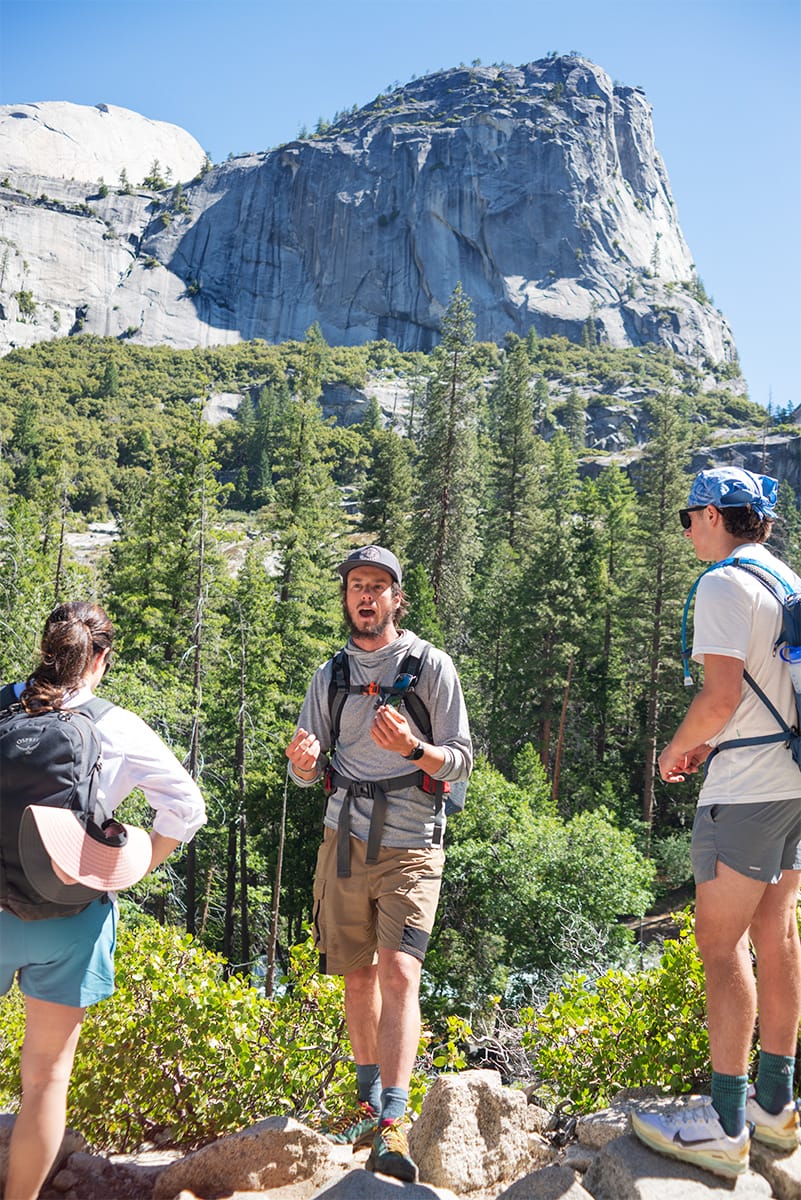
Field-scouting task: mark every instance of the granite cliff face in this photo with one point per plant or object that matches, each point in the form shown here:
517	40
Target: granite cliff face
539	188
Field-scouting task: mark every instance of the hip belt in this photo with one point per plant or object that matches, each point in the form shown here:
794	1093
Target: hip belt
376	790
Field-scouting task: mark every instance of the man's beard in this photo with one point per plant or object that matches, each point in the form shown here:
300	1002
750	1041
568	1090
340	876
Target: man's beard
375	631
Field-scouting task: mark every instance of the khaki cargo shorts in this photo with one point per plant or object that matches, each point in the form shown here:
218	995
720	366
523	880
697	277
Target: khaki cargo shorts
390	904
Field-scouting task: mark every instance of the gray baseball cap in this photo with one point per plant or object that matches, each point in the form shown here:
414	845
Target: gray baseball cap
372	556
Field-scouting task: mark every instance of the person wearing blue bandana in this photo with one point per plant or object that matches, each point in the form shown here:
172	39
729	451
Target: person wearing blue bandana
746	835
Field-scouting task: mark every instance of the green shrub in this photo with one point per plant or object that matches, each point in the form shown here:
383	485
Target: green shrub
671	854
623	1030
179	1054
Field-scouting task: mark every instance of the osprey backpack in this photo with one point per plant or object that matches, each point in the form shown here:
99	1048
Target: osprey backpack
51	758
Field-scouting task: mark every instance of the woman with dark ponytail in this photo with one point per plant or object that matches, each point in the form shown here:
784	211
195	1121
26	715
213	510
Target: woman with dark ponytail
64	964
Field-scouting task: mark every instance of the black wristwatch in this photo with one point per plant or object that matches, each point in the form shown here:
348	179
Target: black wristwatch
418	752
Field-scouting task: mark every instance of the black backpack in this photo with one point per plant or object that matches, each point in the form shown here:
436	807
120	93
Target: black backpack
52	758
340	687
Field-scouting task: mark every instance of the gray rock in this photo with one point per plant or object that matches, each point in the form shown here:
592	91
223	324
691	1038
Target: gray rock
539	189
274	1153
782	1171
551	1183
471	1133
625	1169
363	1185
72	1143
76	141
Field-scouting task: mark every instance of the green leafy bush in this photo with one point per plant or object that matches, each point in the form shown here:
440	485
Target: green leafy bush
179	1054
623	1030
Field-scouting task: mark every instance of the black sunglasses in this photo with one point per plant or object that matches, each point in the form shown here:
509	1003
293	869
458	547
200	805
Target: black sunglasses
684	515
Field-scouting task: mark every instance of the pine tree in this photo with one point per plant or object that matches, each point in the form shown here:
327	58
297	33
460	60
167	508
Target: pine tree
668	570
517	453
445	535
387	494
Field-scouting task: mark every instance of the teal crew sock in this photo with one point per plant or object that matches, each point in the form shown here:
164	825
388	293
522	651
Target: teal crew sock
728	1100
393	1103
774	1085
368	1081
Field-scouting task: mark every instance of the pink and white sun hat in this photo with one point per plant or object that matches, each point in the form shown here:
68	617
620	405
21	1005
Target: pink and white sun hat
98	858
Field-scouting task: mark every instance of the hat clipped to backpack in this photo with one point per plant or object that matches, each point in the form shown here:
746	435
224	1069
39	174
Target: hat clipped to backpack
99	858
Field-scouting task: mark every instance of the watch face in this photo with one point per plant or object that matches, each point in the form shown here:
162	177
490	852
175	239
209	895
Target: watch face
418	752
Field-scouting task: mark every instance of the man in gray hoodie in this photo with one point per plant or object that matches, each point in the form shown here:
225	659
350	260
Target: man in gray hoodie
390	742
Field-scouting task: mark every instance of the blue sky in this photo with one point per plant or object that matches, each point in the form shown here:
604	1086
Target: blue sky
723	77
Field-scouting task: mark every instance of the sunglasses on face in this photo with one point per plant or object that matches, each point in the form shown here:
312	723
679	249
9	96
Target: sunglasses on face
684	515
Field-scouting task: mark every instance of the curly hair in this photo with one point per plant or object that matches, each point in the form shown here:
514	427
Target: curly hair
742	521
73	634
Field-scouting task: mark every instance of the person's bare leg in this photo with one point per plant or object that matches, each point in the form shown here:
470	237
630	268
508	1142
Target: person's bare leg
399	1026
363	1013
774	934
724	909
48	1051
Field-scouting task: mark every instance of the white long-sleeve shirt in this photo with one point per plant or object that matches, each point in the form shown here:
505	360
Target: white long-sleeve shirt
134	756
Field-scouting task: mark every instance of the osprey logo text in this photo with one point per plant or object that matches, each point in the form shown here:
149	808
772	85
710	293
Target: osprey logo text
27	744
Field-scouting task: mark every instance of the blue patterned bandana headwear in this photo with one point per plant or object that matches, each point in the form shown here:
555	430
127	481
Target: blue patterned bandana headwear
731	487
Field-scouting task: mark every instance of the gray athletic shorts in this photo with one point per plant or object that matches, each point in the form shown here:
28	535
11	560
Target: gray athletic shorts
757	840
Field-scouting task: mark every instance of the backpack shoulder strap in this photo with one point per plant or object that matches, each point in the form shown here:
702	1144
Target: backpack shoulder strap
8	695
95	708
412	665
338	692
754	567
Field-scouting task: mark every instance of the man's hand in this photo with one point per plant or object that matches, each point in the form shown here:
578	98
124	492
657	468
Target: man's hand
391	731
673	768
303	752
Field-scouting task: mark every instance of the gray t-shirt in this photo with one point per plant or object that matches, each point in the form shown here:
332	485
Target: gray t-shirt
410	811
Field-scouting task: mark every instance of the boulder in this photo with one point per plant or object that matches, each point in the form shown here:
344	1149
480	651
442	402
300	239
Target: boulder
472	1133
625	1169
72	1143
551	1183
275	1153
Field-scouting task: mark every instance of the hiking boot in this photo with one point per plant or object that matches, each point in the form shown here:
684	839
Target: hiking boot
355	1128
693	1133
390	1153
779	1130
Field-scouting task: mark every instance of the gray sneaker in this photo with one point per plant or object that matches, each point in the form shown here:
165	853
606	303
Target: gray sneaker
779	1130
693	1133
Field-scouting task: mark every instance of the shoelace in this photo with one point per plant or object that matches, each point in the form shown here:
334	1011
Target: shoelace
394	1138
363	1112
696	1111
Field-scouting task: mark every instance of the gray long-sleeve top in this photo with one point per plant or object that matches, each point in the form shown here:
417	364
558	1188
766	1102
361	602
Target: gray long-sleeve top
410	811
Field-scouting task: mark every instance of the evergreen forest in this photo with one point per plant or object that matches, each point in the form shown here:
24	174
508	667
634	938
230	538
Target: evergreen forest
558	590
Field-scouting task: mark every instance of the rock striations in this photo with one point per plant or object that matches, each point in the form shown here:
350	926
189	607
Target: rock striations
538	188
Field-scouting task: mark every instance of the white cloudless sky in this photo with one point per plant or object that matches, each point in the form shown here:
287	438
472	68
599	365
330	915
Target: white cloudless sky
723	78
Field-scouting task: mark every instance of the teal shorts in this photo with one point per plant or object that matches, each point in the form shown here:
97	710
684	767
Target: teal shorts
65	960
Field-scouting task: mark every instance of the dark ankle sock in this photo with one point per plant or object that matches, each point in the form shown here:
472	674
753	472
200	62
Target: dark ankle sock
368	1081
774	1085
728	1100
393	1103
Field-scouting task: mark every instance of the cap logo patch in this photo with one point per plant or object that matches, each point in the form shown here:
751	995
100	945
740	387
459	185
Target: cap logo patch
370	552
